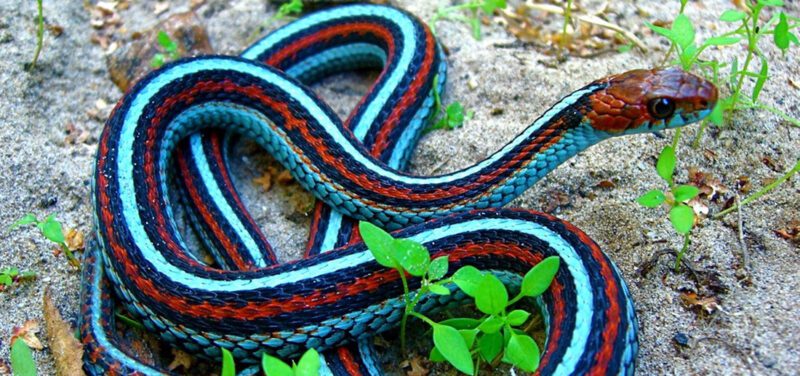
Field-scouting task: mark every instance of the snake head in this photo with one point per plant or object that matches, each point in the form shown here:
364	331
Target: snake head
644	100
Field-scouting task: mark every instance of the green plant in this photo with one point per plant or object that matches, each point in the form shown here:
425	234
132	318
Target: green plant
170	50
750	30
293	7
464	341
9	276
474	7
22	362
761	191
308	365
451	117
675	197
51	230
228	364
39	34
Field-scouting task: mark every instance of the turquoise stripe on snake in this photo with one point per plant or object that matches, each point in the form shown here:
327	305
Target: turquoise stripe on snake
344	296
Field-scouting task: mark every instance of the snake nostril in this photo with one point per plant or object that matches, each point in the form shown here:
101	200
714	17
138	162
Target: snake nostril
703	103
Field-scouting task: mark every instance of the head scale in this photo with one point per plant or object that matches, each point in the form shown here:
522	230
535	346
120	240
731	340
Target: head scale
642	100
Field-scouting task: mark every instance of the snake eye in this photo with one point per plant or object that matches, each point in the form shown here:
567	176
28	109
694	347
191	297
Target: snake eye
661	108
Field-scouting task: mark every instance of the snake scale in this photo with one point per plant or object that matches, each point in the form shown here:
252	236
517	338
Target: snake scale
173	128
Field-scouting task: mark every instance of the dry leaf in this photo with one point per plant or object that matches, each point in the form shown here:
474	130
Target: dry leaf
607	184
160	7
794	84
792	232
743	184
27	333
707	304
74	239
769	162
67	351
265	181
417	369
181	359
5	369
285	178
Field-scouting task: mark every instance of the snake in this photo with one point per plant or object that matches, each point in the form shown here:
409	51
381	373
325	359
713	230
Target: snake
173	127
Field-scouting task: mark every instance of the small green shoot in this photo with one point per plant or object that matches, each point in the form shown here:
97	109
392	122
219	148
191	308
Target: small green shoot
762	191
22	363
293	7
451	117
9	276
39	34
464	342
50	228
228	364
473	7
675	197
308	365
169	47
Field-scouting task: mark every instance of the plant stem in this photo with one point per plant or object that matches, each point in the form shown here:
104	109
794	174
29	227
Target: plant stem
39	34
680	254
407	311
567	18
423	318
761	192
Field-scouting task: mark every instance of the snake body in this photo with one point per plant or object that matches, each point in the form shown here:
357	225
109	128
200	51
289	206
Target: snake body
334	300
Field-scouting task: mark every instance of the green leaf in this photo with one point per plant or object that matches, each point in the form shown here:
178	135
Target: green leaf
438	268
492	296
469	336
51	229
475	24
538	279
455	115
273	366
157	61
413	257
439	289
25	220
687	56
489	6
732	15
490	346
379	242
666	164
22	359
522	352
435	356
462	323
651	199
11	272
468	279
685	192
762	78
309	364
660	30
717	114
682	218
492	324
517	317
228	365
683	31
166	42
771	3
453	348
6	280
721	41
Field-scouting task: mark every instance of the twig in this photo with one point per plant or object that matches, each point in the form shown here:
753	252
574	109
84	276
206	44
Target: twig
590	19
39	34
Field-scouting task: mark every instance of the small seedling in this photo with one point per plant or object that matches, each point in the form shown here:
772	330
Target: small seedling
675	197
308	365
51	229
463	342
762	191
473	7
170	50
451	117
9	276
293	7
39	34
22	363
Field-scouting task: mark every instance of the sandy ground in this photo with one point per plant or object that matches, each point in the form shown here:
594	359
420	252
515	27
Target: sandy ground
757	328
